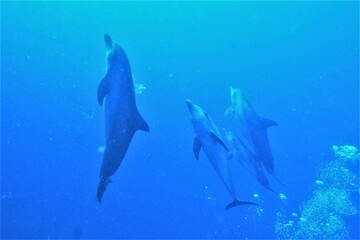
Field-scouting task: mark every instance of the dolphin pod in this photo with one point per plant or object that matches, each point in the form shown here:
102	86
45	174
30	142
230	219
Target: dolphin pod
249	145
122	118
208	138
250	142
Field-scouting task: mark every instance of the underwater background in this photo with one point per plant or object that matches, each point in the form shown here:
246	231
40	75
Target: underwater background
296	62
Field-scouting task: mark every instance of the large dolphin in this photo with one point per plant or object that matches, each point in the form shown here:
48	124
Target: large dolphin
122	118
208	138
252	129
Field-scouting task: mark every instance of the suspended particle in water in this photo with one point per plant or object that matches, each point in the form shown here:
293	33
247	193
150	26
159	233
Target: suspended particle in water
294	214
101	149
319	182
282	196
139	88
259	212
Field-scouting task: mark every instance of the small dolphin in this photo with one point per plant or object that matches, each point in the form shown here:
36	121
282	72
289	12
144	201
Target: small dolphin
252	129
208	138
239	112
243	155
122	118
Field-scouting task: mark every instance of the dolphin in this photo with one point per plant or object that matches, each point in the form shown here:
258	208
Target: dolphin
208	138
252	129
243	155
122	118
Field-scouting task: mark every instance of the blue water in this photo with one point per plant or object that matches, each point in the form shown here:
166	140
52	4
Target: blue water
297	63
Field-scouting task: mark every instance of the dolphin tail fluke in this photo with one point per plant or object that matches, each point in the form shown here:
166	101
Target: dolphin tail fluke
237	203
102	187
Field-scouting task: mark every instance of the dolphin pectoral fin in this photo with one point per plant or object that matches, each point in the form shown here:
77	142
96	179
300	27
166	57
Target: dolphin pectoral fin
229	112
237	203
141	124
217	139
196	147
103	90
102	187
267	122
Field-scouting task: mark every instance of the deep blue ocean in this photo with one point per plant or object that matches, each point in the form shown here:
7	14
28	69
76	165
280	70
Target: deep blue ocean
296	62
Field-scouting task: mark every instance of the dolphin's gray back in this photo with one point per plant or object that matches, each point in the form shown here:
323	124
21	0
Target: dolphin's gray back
254	152
122	118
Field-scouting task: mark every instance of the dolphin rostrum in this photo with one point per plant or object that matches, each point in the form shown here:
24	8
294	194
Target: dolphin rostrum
208	138
252	129
122	118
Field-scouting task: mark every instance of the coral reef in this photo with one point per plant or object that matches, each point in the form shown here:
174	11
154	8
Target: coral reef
322	216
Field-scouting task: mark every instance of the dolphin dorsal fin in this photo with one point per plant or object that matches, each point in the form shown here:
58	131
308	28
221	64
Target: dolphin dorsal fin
141	124
196	147
217	139
267	122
